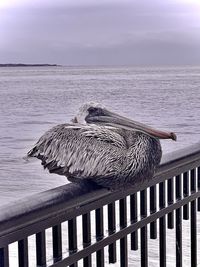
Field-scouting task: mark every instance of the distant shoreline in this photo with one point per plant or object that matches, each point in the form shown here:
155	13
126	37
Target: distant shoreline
28	65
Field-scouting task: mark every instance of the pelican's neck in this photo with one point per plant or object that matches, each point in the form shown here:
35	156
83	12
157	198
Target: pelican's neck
144	154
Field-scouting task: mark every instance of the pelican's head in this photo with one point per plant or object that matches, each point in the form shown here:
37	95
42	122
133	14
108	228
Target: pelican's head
85	110
93	113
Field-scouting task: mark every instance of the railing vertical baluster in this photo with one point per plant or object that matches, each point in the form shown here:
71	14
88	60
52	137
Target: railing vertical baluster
57	242
162	226
86	222
198	183
41	248
72	236
178	224
144	243
123	241
99	236
193	216
4	257
185	194
111	230
153	200
170	194
133	215
23	252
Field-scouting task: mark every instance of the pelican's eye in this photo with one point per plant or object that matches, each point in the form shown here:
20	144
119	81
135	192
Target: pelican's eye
92	109
93	114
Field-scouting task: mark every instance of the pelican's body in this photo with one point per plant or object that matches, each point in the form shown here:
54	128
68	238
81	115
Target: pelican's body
101	150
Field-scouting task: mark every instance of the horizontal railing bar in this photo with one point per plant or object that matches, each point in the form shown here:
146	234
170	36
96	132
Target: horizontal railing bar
124	232
51	207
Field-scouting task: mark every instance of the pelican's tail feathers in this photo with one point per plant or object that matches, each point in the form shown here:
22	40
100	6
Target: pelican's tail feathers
35	152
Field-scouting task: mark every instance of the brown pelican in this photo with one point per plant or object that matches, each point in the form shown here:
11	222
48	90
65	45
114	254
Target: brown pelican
102	147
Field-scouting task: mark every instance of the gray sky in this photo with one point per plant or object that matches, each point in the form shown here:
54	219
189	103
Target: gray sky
106	32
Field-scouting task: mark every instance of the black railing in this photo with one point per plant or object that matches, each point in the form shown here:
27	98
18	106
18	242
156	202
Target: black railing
176	187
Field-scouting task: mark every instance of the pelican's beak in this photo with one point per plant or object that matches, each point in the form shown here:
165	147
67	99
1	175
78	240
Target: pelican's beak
112	119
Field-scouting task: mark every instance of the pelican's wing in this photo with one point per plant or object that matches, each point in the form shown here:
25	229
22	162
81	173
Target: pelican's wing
80	151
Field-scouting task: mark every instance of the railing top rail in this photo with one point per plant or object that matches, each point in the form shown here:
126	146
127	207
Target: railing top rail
45	209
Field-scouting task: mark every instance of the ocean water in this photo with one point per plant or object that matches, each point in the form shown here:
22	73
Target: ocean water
34	99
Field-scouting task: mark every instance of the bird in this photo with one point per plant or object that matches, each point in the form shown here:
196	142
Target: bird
101	147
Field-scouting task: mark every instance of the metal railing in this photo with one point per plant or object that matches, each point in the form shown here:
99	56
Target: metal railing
176	188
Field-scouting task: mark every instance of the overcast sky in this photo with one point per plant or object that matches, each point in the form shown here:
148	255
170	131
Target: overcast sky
100	32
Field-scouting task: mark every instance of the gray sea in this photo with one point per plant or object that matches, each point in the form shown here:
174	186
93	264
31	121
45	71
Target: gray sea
34	99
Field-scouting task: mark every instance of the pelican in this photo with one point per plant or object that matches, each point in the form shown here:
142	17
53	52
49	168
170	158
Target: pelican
101	147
